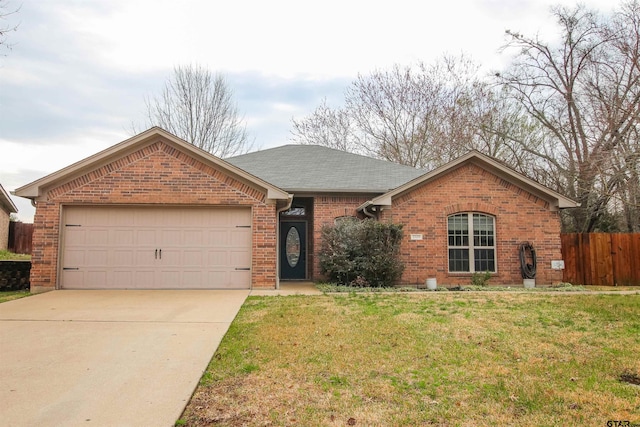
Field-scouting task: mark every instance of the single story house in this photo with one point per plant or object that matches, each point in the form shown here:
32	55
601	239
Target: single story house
157	212
7	207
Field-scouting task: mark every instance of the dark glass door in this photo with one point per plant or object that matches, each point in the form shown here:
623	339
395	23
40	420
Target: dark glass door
293	250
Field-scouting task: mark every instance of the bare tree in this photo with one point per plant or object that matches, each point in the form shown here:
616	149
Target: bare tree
6	28
419	115
585	94
422	115
199	108
565	113
328	127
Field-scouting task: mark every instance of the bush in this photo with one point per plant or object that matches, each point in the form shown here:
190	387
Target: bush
480	279
362	253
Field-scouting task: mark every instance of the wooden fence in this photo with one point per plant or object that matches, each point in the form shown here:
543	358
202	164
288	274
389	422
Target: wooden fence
601	259
20	237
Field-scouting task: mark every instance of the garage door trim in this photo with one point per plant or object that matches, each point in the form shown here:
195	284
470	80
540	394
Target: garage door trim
158	247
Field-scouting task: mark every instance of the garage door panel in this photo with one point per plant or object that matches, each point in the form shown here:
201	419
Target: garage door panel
74	236
170	278
147	217
74	216
216	219
193	258
75	257
218	238
171	257
120	217
240	258
123	257
145	258
240	237
192	237
99	278
237	277
123	279
146	237
218	279
74	279
145	279
192	279
218	258
97	237
170	237
97	258
119	247
122	237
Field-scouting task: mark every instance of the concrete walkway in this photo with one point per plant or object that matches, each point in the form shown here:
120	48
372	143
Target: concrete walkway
108	358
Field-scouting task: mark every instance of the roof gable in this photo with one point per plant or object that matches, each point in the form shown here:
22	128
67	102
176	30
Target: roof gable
555	199
314	168
6	202
150	136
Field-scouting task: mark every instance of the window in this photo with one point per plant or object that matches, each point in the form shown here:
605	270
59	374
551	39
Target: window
295	211
472	244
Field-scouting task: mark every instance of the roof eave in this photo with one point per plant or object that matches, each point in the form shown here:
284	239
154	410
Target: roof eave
333	190
6	201
555	199
36	188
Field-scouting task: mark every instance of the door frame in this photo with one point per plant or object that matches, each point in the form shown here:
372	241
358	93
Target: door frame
293	214
304	250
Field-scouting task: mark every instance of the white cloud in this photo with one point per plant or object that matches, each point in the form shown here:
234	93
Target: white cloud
79	70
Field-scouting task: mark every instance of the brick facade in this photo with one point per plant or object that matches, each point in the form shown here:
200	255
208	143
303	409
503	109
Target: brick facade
156	174
326	209
4	228
519	216
154	169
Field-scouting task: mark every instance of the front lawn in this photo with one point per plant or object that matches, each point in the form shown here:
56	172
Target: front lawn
5	255
11	295
425	359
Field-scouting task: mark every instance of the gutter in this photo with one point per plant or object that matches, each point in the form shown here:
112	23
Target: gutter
363	208
369	214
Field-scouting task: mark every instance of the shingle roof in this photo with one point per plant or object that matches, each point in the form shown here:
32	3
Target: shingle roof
298	168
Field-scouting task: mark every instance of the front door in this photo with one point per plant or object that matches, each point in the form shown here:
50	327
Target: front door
293	250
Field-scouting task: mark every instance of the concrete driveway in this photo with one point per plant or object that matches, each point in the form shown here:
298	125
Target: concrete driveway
107	358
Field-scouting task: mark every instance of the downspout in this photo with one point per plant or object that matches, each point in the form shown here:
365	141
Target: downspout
278	211
369	214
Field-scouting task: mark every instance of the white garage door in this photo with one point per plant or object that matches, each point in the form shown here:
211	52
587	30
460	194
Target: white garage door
155	248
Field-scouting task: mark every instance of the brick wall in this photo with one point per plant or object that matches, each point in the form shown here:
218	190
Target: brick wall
325	210
519	216
157	174
4	229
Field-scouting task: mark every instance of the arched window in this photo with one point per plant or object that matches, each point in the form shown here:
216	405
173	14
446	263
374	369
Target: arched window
472	243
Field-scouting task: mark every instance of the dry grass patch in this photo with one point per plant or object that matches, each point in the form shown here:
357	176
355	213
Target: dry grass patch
424	359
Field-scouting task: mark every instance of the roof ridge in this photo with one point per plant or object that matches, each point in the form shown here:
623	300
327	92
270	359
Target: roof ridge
323	147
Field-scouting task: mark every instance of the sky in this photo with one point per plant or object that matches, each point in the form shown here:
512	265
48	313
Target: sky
78	71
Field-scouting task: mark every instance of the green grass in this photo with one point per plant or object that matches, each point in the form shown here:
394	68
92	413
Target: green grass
10	256
451	358
562	287
11	295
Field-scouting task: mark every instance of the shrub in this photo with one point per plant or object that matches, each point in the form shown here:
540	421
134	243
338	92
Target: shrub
362	253
480	279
